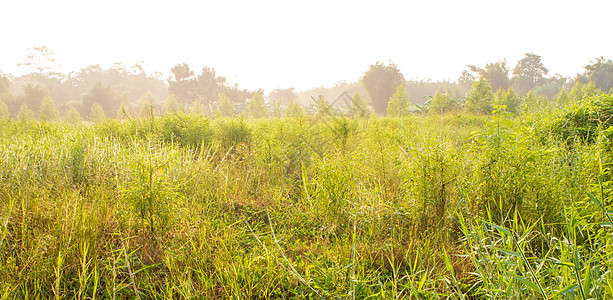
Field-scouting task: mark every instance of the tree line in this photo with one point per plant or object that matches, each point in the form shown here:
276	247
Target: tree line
94	93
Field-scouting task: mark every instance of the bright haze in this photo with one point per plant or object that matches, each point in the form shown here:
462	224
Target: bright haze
303	44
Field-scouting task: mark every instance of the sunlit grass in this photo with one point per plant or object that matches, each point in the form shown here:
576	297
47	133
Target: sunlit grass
180	206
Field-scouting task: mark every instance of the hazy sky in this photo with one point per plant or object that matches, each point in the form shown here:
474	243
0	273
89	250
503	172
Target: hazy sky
302	44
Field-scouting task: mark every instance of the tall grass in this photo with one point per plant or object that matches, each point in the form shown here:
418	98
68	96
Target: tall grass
183	206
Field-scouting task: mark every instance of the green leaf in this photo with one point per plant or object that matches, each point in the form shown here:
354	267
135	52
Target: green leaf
508	252
567	289
593	198
525	281
504	230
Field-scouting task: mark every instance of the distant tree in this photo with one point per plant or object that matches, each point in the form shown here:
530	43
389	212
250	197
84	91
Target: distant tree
48	112
197	107
399	103
441	103
225	107
601	73
380	82
97	115
466	79
40	61
321	107
207	84
509	99
359	107
182	83
73	117
102	94
147	109
25	113
256	106
496	74
172	105
480	98
533	103
528	72
123	111
282	96
33	96
4	111
563	98
5	84
580	91
294	110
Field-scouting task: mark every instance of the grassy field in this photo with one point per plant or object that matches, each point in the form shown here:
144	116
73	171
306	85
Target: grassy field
422	207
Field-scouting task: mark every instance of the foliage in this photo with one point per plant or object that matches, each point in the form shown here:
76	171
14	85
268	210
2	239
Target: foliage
441	103
480	98
380	82
496	74
73	117
25	113
102	94
172	105
507	99
256	106
399	104
225	106
294	110
4	111
600	72
97	113
48	112
359	108
528	72
459	206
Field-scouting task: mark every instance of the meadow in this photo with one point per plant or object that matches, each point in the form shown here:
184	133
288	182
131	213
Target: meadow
455	206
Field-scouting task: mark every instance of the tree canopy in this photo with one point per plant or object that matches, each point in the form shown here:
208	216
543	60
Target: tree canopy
380	82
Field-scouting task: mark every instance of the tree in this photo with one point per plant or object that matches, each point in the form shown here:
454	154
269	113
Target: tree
97	113
580	91
102	94
441	103
528	72
40	61
496	74
380	82
48	112
4	111
33	96
73	117
256	106
399	103
123	111
358	107
282	96
480	98
25	113
172	105
531	102
509	99
181	84
197	108
225	107
146	105
601	73
207	84
294	110
563	98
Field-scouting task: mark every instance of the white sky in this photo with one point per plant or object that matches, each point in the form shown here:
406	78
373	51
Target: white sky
303	44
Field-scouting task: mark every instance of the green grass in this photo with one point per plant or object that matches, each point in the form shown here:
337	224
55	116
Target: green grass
420	207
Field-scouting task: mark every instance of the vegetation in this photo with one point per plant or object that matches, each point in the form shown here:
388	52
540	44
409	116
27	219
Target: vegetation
496	187
180	205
